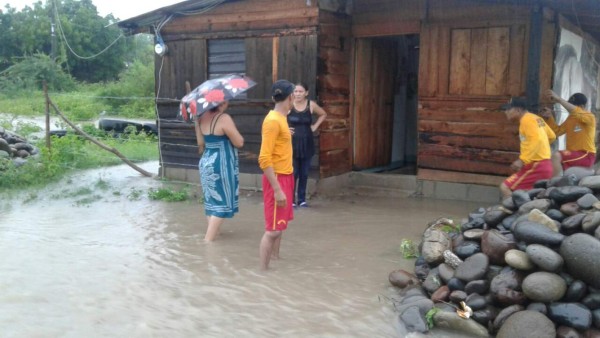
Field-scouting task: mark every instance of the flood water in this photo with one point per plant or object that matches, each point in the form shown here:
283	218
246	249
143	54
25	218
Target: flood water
92	256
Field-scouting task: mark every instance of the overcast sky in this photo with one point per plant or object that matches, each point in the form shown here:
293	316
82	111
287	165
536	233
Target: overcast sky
122	9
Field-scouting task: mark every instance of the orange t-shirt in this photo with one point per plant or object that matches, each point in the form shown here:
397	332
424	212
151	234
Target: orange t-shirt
535	136
579	128
276	145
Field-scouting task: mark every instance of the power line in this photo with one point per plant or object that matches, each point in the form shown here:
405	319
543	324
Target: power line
64	38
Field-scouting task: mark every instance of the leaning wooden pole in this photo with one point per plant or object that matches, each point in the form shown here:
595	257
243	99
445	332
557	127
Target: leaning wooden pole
47	111
98	143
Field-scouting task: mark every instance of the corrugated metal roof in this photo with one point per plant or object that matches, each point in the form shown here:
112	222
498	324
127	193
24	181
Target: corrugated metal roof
191	7
584	13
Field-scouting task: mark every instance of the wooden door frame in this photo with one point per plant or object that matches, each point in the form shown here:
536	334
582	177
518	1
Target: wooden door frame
407	28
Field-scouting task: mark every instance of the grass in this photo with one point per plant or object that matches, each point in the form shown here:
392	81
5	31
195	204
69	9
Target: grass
168	195
70	153
86	104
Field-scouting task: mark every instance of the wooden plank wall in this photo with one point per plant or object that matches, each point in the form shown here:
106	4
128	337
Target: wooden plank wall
258	22
386	17
333	88
376	61
468	68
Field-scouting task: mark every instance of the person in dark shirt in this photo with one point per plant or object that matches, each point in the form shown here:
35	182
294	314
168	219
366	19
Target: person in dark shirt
300	122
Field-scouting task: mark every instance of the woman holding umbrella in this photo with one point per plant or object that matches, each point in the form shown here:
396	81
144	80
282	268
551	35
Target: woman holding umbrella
218	140
219	167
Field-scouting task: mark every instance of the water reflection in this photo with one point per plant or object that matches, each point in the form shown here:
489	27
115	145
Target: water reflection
121	265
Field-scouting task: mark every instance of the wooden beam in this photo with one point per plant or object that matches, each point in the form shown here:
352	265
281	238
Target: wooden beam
275	58
532	88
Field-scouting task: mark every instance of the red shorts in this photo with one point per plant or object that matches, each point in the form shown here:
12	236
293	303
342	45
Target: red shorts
529	174
276	218
577	159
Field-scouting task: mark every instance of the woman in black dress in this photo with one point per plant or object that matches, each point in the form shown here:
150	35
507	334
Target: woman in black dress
300	122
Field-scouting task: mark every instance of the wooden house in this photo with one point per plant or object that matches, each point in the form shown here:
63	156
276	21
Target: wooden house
406	83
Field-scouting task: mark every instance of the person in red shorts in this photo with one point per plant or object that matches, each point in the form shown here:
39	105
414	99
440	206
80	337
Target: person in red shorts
579	130
534	158
275	159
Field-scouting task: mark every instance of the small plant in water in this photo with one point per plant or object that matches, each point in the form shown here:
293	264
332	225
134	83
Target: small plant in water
86	201
102	184
408	249
168	195
134	194
30	198
429	317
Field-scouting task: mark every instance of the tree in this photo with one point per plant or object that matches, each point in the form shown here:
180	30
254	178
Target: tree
85	34
81	34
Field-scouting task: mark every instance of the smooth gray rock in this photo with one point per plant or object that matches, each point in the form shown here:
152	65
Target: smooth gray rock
587	201
592	182
569	193
474	267
518	259
527	324
544	257
451	321
536	233
574	315
541	204
544	287
434	243
413	320
580	253
590	222
537	216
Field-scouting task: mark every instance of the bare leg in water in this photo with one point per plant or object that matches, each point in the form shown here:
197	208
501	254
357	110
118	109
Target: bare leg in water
276	244
214	223
266	247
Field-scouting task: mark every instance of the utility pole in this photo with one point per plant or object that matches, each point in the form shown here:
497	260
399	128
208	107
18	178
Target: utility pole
52	30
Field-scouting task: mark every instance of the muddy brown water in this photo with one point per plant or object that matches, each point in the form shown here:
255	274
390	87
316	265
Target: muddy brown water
92	256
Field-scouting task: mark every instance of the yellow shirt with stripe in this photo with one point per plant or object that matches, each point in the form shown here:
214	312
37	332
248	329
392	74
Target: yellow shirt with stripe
535	136
579	129
276	145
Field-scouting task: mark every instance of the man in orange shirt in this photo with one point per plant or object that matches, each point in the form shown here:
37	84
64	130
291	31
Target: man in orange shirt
275	159
579	130
534	159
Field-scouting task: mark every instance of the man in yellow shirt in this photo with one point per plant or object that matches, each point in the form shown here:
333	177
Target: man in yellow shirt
275	159
579	130
534	159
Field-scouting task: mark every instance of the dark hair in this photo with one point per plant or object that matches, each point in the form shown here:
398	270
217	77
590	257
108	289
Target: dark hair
216	108
303	85
578	99
281	90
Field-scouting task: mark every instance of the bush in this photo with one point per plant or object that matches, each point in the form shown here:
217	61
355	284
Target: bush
30	74
133	94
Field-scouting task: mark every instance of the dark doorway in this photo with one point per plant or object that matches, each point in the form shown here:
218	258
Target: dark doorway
385	104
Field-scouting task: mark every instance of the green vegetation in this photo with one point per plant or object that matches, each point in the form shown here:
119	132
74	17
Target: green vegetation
408	249
101	73
429	317
73	152
168	195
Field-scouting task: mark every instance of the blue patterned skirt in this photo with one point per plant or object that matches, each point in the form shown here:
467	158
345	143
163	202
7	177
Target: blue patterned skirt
219	176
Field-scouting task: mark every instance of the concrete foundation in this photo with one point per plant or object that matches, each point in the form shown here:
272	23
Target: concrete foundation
360	183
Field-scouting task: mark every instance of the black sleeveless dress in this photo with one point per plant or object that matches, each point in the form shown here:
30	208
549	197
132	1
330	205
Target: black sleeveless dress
302	140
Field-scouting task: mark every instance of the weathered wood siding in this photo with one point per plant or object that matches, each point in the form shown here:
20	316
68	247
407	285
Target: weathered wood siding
386	17
473	57
333	87
283	31
373	108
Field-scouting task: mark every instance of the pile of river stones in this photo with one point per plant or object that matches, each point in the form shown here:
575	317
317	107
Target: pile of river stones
528	267
15	148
